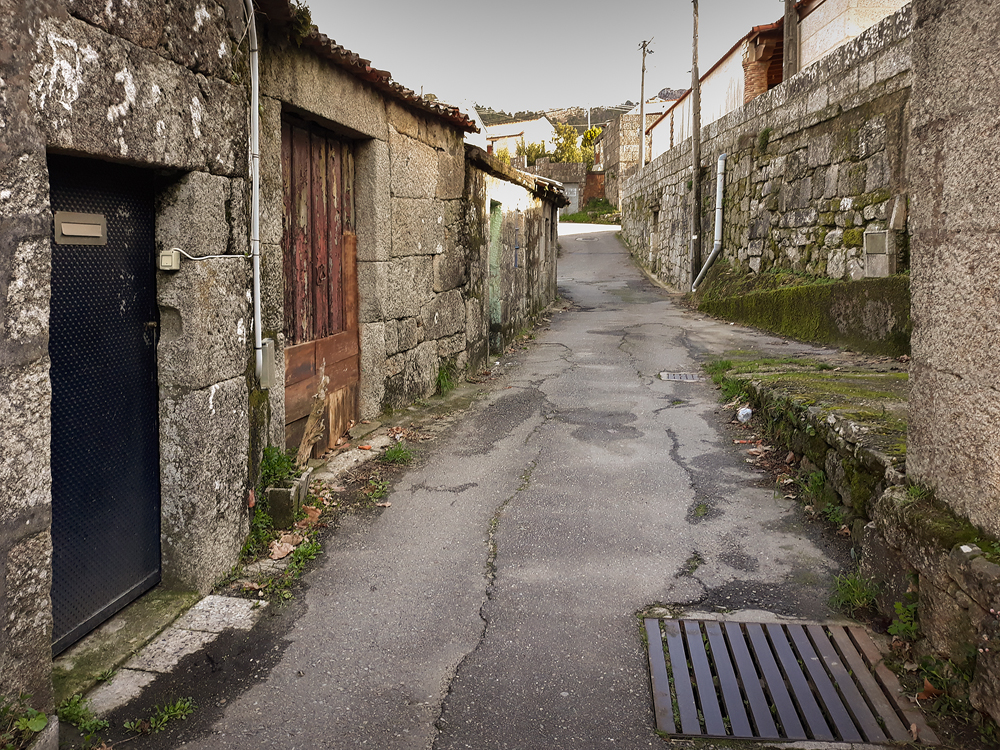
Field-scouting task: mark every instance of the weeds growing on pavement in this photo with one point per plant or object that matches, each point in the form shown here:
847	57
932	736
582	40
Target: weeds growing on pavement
396	454
19	722
853	592
162	715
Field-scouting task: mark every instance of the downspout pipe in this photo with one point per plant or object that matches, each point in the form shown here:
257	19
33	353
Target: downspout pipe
255	187
720	186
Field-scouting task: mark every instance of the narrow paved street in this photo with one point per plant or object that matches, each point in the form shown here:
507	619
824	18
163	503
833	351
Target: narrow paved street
493	606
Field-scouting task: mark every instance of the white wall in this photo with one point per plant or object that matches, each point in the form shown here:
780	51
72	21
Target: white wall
836	22
721	93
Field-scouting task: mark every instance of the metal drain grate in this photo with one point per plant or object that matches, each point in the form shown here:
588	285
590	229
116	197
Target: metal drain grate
686	376
775	681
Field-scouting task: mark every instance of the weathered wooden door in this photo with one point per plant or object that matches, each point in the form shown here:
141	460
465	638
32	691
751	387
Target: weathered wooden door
320	269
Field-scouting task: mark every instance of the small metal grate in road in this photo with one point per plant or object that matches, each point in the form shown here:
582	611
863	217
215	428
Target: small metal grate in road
685	376
775	681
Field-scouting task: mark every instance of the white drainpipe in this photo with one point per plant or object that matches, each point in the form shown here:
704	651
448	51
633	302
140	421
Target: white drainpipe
255	187
720	180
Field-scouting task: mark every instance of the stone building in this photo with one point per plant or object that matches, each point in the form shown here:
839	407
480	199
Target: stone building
572	176
135	409
618	147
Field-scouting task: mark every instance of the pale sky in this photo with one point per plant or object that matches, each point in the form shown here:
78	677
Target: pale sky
538	54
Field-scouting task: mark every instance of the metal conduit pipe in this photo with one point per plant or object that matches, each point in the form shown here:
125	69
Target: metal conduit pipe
255	186
720	185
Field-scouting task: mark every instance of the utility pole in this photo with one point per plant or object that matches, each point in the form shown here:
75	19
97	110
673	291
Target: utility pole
790	63
695	154
644	46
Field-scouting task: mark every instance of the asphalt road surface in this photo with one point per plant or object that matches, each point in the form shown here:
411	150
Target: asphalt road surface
494	605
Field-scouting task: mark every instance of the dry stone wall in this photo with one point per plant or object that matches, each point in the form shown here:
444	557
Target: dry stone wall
811	166
160	88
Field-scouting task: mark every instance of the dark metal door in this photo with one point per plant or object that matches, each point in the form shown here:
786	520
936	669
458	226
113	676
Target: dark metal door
105	436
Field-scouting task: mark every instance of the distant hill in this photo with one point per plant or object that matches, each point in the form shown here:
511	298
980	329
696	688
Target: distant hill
576	116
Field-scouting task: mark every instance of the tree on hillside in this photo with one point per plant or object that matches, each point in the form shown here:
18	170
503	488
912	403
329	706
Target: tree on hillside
566	148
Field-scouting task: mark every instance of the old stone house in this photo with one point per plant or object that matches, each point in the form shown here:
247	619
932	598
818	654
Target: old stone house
135	396
616	149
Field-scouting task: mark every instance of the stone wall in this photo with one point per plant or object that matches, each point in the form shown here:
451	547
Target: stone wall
512	239
914	549
620	153
25	392
812	165
956	264
131	83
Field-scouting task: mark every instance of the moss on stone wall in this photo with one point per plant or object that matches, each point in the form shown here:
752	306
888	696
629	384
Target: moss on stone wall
870	315
854	237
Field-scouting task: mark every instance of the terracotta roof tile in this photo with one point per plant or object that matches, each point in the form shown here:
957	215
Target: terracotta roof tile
280	13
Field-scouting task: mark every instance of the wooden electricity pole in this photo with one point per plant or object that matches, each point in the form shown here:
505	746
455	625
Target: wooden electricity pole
695	154
790	62
644	46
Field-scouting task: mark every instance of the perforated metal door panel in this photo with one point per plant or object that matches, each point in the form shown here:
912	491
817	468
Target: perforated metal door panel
105	444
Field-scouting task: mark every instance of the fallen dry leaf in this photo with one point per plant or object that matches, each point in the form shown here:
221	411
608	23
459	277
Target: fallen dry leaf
790	458
280	550
312	512
929	691
292	539
365	447
843	531
913	732
383	505
791	497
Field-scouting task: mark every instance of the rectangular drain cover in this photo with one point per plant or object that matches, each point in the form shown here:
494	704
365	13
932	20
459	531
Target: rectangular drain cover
775	681
687	376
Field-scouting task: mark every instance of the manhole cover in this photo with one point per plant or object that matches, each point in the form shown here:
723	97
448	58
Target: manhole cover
775	681
687	376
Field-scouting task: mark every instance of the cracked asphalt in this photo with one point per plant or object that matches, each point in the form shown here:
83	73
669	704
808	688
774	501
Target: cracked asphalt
494	604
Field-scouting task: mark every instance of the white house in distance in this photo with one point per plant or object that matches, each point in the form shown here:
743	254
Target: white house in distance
509	134
754	64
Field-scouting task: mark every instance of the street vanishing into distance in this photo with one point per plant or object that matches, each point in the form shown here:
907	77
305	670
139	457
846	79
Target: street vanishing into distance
494	604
